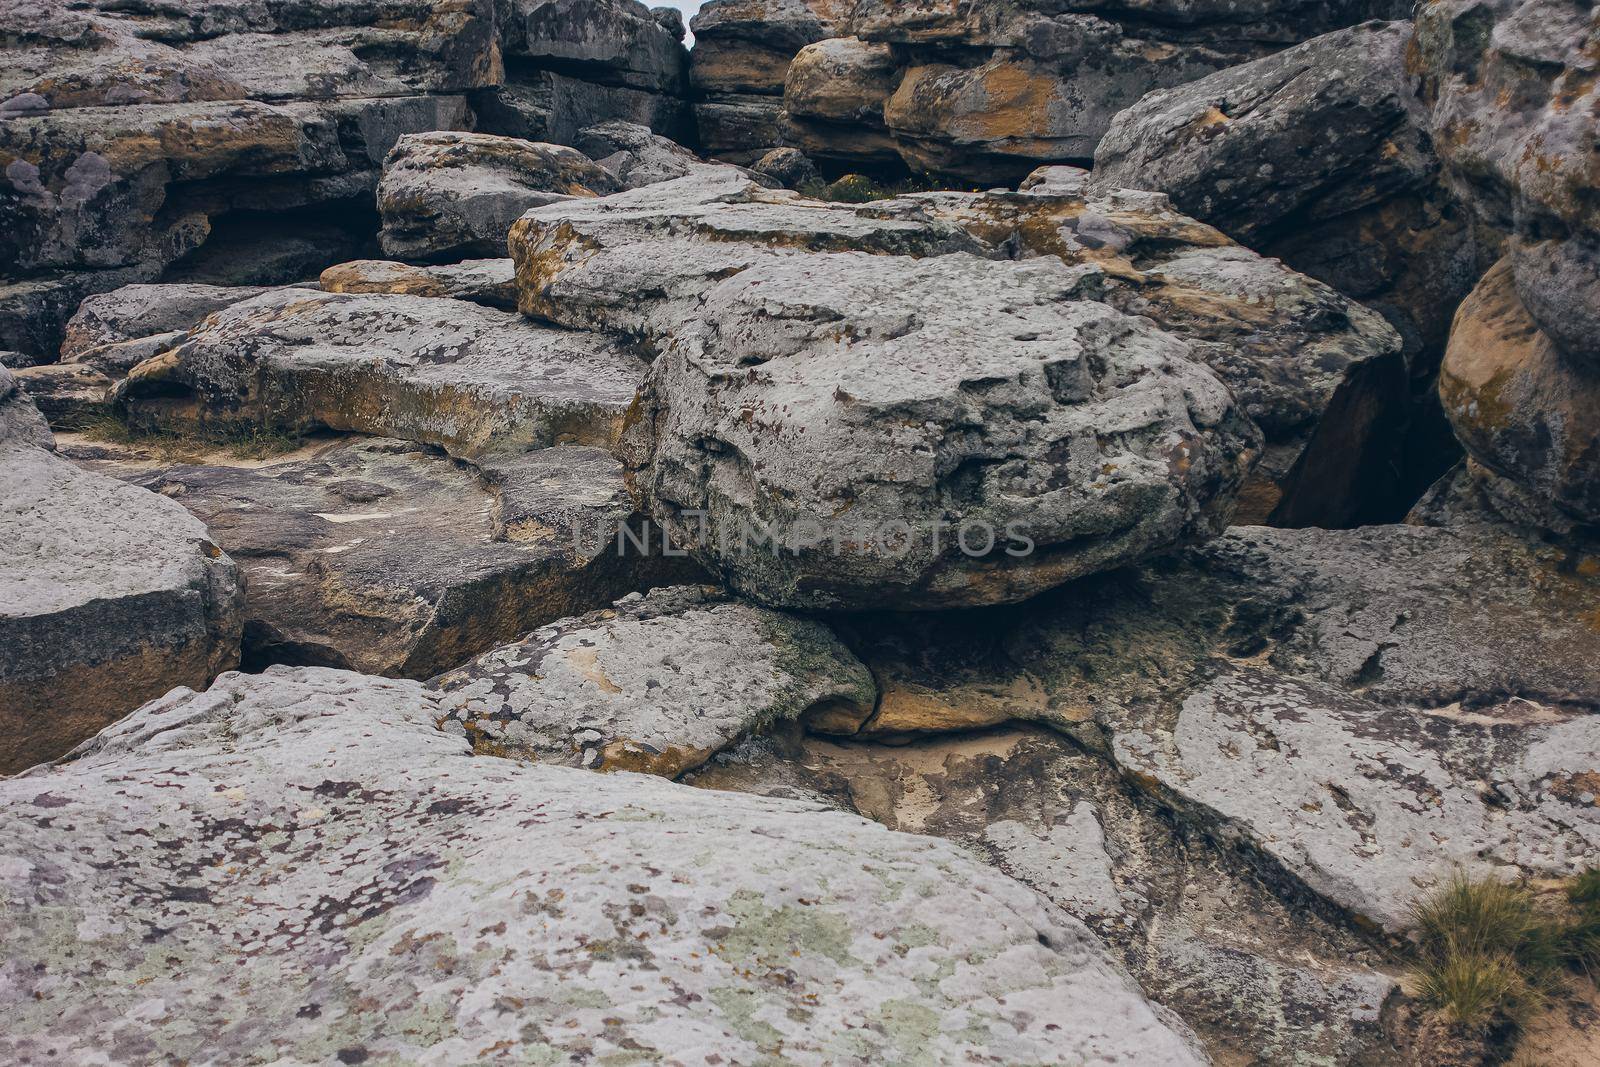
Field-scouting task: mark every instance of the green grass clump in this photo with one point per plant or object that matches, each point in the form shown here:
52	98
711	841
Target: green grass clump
190	445
1489	953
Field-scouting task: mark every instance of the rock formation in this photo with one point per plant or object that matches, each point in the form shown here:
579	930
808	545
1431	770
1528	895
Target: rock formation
552	909
110	595
755	597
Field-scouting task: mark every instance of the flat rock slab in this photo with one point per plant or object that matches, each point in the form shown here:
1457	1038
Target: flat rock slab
490	282
319	823
386	557
138	311
110	595
438	371
454	195
657	684
1257	977
863	384
1372	710
1371	806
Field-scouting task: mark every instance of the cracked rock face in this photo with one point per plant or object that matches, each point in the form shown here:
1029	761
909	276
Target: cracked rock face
1371	710
110	595
387	851
138	133
384	557
981	91
808	387
1513	91
1256	976
444	372
1318	155
454	195
656	684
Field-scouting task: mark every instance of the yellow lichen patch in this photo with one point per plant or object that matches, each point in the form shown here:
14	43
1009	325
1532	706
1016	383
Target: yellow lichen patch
669	762
587	662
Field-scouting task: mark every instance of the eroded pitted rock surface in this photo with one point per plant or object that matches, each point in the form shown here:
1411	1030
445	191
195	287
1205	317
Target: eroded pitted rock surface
136	134
1371	710
657	684
110	595
101	330
1320	374
385	557
455	195
616	912
1257	977
798	381
438	371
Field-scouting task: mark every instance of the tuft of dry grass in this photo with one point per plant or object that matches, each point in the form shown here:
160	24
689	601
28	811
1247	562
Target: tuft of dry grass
190	446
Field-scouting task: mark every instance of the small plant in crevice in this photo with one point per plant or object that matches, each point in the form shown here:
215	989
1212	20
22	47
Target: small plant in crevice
249	442
1490	953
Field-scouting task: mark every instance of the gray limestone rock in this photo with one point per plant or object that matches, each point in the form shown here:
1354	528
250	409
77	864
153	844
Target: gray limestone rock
110	596
1369	711
1259	978
134	312
385	557
412	901
634	154
438	371
454	195
656	684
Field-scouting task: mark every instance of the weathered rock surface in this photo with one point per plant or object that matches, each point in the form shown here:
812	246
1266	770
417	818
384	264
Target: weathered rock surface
134	312
979	91
789	167
454	195
490	282
1513	92
138	134
634	155
856	385
1521	405
1260	980
444	372
21	423
1321	375
384	557
409	880
575	63
70	395
110	595
1368	711
1320	156
657	684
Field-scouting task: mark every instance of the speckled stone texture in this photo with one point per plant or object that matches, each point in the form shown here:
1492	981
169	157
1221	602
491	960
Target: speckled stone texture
386	557
800	383
396	897
110	595
1257	976
1371	710
489	282
454	195
658	683
439	371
